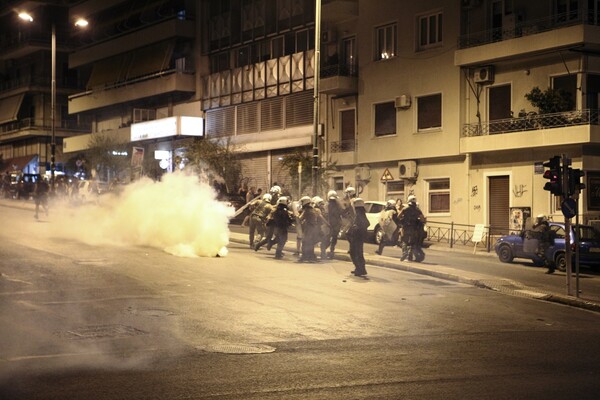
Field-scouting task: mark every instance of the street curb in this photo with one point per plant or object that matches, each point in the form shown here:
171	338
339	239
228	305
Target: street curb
480	283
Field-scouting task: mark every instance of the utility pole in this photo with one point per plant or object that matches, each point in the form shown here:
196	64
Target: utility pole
315	152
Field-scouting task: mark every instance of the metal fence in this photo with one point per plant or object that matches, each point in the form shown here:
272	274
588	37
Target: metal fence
461	234
531	121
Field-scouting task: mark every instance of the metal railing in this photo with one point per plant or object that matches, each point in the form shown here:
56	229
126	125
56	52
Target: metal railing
526	28
41	124
461	234
330	70
342	146
531	121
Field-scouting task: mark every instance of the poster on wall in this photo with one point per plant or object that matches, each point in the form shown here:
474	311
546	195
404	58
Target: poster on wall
518	219
593	190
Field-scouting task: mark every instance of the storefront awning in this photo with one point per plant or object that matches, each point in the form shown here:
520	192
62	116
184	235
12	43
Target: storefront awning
9	108
25	164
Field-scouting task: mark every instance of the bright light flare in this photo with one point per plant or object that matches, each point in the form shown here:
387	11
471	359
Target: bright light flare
25	16
81	23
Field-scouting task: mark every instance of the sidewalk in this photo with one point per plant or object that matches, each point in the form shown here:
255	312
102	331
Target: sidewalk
495	283
507	286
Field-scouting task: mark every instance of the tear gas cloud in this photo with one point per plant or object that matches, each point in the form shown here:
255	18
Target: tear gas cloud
179	214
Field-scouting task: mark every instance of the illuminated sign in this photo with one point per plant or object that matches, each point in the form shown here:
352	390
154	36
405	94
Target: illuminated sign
166	127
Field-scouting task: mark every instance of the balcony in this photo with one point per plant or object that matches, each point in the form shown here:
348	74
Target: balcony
528	38
30	127
557	129
339	79
337	11
343	152
170	82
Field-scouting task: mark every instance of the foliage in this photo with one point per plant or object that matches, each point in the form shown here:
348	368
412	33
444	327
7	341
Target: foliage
216	159
290	162
551	100
106	154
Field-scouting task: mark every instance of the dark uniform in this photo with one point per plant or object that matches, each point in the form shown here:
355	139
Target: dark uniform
258	219
334	219
41	195
391	213
357	234
412	221
311	221
541	232
281	219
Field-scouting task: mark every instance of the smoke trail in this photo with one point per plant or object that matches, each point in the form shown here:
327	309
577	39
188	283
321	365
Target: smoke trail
178	214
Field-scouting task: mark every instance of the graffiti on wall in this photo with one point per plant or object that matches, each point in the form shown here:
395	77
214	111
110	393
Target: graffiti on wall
519	190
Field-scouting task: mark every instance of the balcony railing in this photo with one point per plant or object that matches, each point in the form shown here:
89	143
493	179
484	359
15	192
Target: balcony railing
342	146
531	121
44	125
42	81
330	70
526	28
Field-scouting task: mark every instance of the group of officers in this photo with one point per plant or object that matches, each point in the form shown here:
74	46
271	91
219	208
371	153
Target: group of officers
321	223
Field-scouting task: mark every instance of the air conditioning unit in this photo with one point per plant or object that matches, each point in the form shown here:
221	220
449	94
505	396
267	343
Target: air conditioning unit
484	74
329	36
403	101
407	169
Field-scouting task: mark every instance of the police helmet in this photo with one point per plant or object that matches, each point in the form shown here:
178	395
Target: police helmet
332	194
267	197
282	200
305	200
275	189
350	191
412	198
317	200
358	202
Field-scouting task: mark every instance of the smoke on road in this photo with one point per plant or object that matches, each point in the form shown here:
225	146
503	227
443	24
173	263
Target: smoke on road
179	214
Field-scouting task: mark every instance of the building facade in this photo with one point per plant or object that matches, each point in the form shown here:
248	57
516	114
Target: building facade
426	98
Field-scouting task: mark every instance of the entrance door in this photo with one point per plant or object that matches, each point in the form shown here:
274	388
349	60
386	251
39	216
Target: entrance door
499	106
499	204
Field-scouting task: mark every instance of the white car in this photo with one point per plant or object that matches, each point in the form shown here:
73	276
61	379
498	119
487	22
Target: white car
373	210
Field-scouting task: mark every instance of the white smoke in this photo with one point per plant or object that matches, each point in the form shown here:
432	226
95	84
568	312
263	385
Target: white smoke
179	214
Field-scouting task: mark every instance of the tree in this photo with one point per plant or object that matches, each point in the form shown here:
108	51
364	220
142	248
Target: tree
216	159
551	100
108	155
291	162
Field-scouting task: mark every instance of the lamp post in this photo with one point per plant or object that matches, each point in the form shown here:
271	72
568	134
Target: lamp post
81	23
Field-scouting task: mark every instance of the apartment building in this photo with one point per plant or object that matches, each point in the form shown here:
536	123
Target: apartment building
424	98
440	108
26	101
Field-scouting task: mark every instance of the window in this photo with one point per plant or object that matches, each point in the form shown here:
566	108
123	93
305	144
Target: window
347	130
429	110
395	190
439	195
567	84
386	42
430	30
385	119
338	183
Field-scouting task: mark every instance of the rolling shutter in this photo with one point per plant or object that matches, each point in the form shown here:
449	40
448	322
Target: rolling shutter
499	205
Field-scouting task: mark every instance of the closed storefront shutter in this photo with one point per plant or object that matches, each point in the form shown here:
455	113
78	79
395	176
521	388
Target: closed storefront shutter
499	205
255	171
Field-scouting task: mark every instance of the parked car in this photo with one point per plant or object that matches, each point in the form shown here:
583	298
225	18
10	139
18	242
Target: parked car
372	210
510	247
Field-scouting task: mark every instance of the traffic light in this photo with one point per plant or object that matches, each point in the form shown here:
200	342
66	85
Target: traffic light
574	179
554	186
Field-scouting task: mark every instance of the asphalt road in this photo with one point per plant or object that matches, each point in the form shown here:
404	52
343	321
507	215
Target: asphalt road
462	258
80	321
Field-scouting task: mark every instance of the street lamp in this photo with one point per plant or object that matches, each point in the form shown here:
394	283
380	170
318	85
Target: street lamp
81	23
